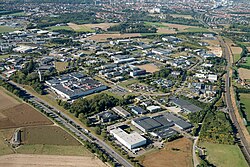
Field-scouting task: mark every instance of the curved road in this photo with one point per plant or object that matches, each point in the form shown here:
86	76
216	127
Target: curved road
243	144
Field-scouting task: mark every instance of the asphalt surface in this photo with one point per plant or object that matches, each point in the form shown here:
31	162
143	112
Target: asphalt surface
73	126
243	144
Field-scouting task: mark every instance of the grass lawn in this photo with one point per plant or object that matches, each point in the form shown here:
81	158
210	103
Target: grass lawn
61	66
245	103
54	150
60	28
156	24
128	82
247	62
4	29
222	155
236	57
196	29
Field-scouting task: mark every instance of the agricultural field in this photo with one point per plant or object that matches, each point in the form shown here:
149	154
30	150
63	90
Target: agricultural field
4	29
61	66
21	115
151	68
51	135
105	37
222	155
236	52
248	48
244	73
79	28
103	26
48	160
177	153
7	101
90	27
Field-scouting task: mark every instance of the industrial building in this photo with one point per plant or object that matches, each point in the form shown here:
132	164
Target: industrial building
145	124
138	110
130	140
107	116
164	121
185	105
122	112
74	85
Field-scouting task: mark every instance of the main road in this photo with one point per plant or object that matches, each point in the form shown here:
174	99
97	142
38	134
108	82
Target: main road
228	87
72	125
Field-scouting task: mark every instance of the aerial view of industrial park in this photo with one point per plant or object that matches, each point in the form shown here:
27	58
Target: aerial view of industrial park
124	83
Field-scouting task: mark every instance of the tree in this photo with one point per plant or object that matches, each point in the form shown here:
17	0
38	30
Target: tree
98	130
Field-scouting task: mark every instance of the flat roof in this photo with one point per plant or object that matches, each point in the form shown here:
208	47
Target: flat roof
130	138
147	123
186	105
138	109
163	120
165	132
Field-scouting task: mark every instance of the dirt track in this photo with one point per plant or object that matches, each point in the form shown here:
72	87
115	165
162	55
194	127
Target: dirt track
26	160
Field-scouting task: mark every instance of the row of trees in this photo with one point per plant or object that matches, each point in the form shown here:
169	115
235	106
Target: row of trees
82	108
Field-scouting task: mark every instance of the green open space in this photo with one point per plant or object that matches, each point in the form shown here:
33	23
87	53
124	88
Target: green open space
222	155
128	82
196	29
55	28
4	29
245	106
156	24
237	57
247	63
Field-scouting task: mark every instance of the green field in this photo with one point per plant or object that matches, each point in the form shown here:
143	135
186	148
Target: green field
156	24
128	82
54	28
245	104
222	155
236	57
196	29
4	29
84	29
53	150
247	62
51	135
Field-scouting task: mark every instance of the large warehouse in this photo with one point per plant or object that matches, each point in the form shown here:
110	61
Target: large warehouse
75	85
131	141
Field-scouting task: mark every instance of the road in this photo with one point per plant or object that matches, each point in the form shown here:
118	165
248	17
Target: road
73	126
243	144
195	158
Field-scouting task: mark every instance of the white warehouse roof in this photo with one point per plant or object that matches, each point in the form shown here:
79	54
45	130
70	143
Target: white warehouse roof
131	140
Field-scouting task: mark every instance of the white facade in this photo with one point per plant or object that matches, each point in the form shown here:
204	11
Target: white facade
131	141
